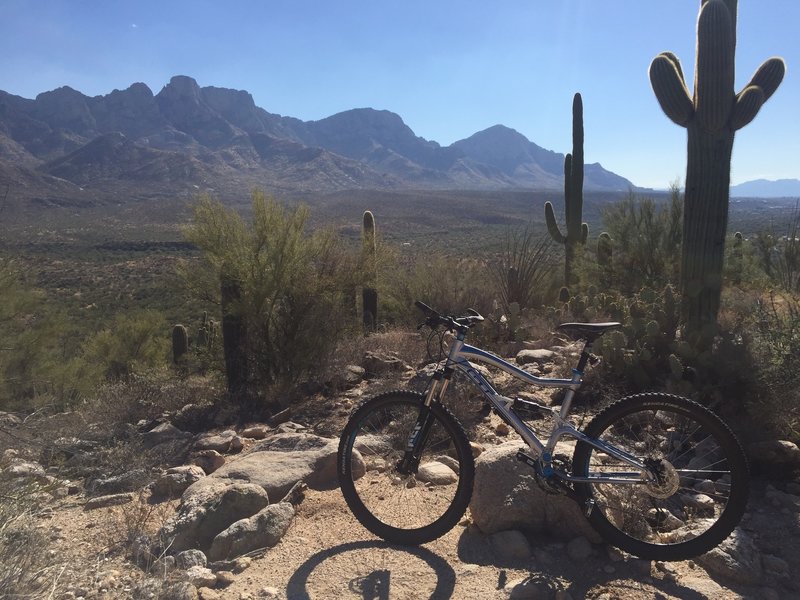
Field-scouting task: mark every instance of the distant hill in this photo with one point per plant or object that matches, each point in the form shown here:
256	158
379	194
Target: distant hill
188	137
764	188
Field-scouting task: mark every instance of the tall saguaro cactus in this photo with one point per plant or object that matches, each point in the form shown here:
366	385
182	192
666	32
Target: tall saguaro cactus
369	261
577	231
711	117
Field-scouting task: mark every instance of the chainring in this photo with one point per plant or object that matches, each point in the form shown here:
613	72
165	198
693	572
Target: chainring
553	485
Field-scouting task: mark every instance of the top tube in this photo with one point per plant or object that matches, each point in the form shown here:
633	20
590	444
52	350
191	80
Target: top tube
472	353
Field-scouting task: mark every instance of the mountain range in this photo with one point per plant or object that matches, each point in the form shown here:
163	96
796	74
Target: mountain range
63	144
764	188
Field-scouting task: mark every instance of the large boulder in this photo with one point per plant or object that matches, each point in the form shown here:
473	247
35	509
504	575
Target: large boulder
277	463
262	530
506	496
203	515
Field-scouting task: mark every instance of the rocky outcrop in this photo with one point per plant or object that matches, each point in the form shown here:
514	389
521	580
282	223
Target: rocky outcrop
201	517
506	496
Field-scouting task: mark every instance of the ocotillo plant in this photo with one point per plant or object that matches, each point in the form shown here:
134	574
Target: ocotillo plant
369	261
711	117
577	231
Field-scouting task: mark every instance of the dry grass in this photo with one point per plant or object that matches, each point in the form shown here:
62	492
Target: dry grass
28	567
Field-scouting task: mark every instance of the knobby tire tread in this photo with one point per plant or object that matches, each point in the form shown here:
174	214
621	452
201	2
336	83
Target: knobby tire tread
733	511
434	530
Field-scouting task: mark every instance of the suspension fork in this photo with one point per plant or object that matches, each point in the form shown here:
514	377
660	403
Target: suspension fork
418	437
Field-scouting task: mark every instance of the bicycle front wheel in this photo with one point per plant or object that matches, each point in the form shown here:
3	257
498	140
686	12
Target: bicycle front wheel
402	505
692	491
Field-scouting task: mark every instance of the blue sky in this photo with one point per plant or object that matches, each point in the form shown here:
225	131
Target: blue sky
448	68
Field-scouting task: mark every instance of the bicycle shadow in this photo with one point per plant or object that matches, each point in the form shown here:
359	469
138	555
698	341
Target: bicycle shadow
557	573
377	583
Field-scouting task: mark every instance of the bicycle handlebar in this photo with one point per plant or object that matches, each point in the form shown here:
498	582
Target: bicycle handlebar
452	323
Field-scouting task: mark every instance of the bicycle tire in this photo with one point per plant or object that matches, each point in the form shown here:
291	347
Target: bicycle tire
404	509
702	486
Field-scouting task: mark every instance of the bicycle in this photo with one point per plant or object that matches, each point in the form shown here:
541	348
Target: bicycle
657	475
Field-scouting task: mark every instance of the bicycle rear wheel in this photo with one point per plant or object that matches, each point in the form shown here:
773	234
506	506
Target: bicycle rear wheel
697	472
413	507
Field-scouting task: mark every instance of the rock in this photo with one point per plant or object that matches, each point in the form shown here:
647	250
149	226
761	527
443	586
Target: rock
506	496
175	481
775	564
124	482
354	374
105	501
781	499
736	559
539	356
529	589
9	420
579	549
279	462
511	545
436	473
775	451
262	530
255	432
237	565
375	363
26	469
190	558
203	515
160	434
225	441
209	594
208	460
201	576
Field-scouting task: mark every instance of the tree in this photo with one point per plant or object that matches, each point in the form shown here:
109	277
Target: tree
284	290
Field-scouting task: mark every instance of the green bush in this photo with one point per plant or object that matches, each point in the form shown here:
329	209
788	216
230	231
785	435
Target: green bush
294	288
646	241
132	343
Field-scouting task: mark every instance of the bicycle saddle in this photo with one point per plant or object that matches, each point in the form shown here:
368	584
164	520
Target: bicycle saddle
587	331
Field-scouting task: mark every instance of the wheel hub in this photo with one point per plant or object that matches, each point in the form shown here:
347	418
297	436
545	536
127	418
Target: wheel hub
662	478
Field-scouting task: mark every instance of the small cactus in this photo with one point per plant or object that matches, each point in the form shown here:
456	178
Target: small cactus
605	254
369	251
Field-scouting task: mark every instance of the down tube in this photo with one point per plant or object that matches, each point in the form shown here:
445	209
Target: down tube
501	404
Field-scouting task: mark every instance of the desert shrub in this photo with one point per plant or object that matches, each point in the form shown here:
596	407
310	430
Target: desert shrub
523	270
27	570
776	343
38	357
133	343
646	238
450	285
294	287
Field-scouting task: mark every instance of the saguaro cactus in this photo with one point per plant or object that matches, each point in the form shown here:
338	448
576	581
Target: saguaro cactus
234	337
711	117
369	253
605	257
577	231
180	343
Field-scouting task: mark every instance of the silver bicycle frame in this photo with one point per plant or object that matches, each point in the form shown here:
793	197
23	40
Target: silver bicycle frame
459	357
